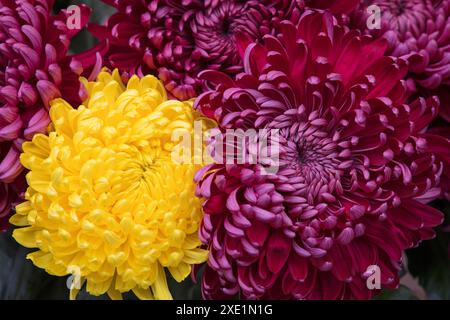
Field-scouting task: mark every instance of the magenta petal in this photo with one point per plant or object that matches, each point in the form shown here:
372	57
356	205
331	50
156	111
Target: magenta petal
10	166
278	252
8	114
9	93
28	94
11	131
34	37
257	233
37	124
30	56
298	267
48	91
215	204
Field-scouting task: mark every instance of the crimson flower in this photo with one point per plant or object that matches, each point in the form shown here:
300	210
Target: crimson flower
356	168
34	69
175	40
418	30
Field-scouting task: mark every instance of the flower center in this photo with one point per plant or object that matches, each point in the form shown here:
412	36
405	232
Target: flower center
311	158
226	27
215	30
401	7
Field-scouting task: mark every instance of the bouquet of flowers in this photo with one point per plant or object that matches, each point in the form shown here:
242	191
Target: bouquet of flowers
261	149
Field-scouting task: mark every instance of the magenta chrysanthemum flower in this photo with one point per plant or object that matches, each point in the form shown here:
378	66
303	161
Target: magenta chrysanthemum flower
356	168
34	69
418	29
175	40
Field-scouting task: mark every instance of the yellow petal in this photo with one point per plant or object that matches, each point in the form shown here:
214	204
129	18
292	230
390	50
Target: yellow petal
114	294
25	236
180	272
160	288
143	294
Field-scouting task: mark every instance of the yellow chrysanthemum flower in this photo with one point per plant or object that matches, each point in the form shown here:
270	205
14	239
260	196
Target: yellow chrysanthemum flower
105	201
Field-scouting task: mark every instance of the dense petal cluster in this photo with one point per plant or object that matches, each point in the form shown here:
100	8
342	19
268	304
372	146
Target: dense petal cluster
34	68
105	202
418	29
175	40
356	168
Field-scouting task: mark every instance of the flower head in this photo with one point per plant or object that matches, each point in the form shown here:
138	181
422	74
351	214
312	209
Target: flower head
356	168
104	198
417	29
175	40
34	69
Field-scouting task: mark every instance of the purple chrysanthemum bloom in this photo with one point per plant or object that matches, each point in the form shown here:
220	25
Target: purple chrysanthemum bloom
34	69
175	40
417	29
356	168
